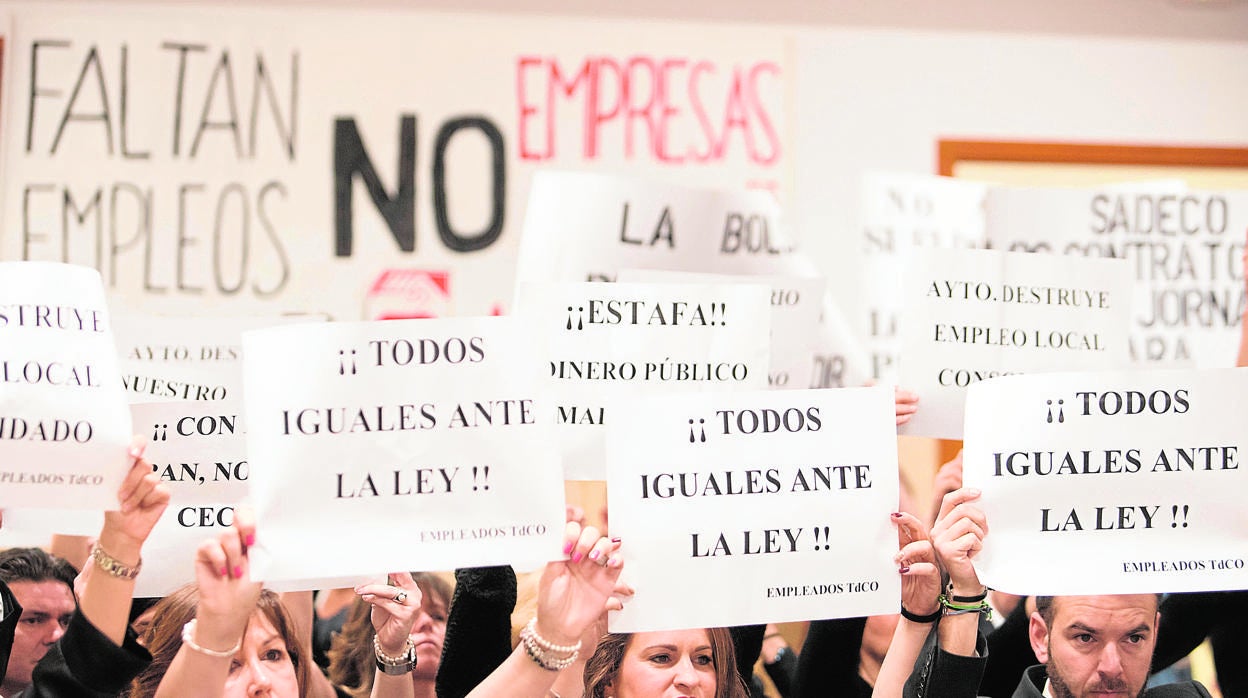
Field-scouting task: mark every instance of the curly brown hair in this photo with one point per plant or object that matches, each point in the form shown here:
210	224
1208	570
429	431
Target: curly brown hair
604	665
351	661
163	637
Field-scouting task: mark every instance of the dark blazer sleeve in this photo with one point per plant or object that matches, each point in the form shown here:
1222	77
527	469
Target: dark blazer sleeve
85	663
938	674
478	630
1010	648
8	624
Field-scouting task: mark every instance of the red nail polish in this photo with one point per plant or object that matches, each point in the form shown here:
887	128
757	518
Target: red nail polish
615	540
896	514
904	570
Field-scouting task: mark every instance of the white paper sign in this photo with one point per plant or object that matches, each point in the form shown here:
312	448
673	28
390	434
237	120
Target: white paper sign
35	527
1184	248
1111	483
741	508
406	444
977	314
795	307
200	451
64	426
901	212
587	227
598	341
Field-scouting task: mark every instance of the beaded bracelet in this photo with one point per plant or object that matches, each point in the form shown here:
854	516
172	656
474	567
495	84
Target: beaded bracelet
954	608
539	649
188	639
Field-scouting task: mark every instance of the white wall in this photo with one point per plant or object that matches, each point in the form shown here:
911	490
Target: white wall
881	100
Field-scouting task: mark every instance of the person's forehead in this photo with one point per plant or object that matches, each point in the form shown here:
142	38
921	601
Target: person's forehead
672	638
47	596
1120	607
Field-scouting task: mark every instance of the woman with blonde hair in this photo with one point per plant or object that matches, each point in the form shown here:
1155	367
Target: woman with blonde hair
699	663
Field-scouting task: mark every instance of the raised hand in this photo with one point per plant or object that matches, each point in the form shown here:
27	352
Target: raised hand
227	596
142	500
395	607
958	536
574	592
916	562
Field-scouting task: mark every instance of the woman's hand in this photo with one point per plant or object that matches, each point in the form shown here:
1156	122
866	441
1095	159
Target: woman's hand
395	607
916	562
227	596
958	536
142	500
574	592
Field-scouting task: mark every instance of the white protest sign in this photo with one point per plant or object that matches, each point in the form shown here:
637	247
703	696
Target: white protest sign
405	444
199	450
587	227
597	341
976	314
1110	483
901	212
1184	248
185	358
755	507
64	426
35	527
795	308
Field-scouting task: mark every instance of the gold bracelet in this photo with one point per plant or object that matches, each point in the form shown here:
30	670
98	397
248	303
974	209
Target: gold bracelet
112	566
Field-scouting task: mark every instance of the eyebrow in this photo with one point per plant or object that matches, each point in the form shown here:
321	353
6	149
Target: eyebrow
1142	627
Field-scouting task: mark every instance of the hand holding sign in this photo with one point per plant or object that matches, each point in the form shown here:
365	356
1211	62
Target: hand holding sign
143	499
916	561
958	536
227	595
395	607
573	593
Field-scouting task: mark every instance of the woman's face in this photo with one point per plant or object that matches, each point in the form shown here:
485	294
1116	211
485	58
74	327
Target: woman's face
669	664
427	634
262	666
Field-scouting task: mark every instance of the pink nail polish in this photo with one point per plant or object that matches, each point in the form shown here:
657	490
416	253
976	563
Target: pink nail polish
225	572
567	547
595	555
578	557
251	539
238	572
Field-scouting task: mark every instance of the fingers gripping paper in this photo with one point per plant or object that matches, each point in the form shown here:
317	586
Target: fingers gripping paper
64	426
413	444
1111	483
787	494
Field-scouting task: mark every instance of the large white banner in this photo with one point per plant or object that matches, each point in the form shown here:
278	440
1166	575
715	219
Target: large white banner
754	507
199	449
1184	247
1111	483
64	426
977	314
367	164
587	227
795	306
410	444
599	341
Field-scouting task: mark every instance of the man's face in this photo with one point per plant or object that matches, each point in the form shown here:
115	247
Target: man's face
1097	646
46	609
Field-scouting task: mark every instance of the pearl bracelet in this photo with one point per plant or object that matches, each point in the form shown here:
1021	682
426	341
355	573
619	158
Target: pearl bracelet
188	639
540	649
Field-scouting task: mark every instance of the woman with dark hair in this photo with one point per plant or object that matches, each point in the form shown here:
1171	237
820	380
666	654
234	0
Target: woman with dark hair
352	659
698	663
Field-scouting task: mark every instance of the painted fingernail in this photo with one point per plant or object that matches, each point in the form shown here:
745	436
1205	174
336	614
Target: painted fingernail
567	547
615	540
896	514
614	562
904	570
251	539
594	555
578	557
238	572
225	572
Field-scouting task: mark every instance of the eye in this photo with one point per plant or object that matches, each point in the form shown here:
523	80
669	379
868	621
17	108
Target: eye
661	658
1136	638
1084	638
704	660
29	621
274	655
235	665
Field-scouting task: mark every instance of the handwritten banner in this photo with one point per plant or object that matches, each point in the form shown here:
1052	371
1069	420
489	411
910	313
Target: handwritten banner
977	314
786	493
64	427
199	450
407	444
598	341
1111	483
795	307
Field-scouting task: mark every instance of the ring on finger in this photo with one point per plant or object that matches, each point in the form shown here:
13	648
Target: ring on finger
401	597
